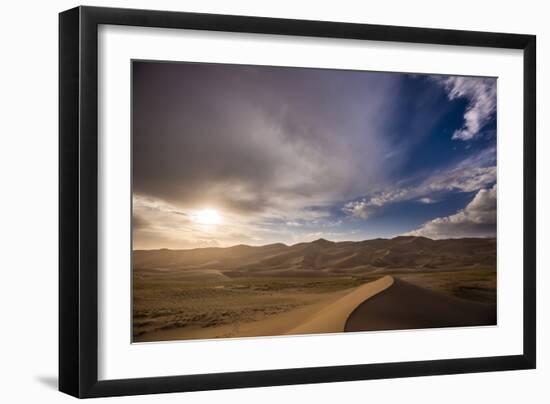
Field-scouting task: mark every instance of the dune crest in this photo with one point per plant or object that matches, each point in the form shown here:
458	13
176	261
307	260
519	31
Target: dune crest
333	318
408	306
322	256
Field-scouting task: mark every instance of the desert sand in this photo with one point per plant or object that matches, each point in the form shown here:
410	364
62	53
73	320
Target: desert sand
407	306
312	288
334	316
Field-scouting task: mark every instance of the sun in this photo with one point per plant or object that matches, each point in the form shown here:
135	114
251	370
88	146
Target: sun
207	216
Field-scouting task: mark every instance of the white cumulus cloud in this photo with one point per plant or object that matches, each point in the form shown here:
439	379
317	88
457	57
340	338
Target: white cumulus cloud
477	219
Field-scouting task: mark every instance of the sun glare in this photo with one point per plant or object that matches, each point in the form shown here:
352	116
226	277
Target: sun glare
207	216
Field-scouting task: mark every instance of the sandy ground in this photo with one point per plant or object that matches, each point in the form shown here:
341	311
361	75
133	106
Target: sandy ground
168	308
315	287
333	317
321	313
407	306
278	324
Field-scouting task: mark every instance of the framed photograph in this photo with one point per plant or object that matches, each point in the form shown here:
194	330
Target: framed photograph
251	201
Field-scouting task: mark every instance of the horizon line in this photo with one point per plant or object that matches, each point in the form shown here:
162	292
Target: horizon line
313	241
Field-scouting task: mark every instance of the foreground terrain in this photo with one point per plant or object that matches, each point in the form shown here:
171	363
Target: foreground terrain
317	287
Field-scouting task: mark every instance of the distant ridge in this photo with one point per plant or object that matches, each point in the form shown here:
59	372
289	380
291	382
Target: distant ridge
402	252
321	241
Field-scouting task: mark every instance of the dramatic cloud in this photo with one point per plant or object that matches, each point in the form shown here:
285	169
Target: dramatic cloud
155	221
285	154
257	140
477	219
482	102
360	209
159	224
469	175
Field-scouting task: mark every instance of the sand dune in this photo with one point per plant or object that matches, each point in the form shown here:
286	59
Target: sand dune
418	253
407	306
279	324
391	304
207	304
312	288
333	317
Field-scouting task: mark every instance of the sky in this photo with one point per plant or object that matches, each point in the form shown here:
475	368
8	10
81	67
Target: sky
234	154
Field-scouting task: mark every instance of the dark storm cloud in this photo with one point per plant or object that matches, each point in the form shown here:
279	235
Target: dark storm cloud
256	139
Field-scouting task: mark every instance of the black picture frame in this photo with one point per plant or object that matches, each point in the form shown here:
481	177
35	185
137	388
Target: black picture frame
78	201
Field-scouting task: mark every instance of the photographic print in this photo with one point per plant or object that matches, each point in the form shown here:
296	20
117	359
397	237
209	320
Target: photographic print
275	201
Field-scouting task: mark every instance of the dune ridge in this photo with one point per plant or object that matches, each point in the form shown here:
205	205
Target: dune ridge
311	288
322	257
333	318
407	306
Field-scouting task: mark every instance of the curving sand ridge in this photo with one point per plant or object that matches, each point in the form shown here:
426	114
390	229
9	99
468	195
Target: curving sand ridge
407	306
387	303
333	317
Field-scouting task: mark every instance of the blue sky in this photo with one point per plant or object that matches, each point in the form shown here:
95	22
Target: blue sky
229	154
